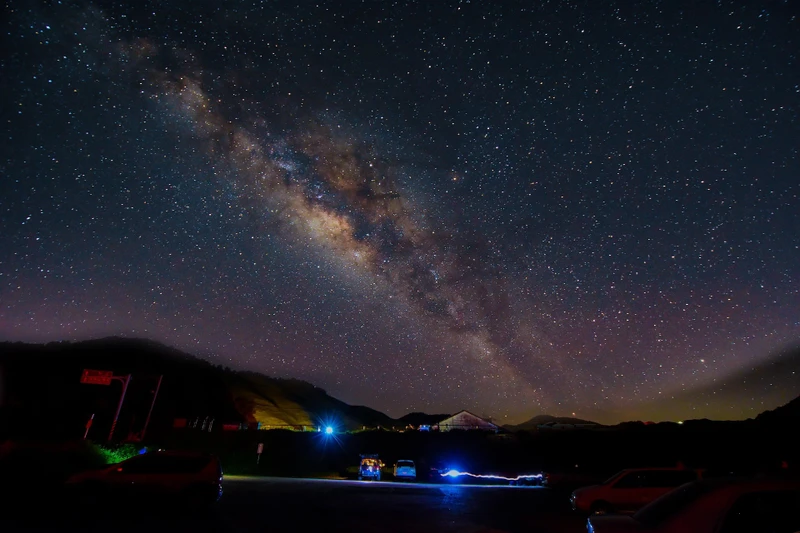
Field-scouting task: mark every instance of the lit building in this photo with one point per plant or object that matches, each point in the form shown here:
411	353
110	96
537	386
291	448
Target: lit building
466	421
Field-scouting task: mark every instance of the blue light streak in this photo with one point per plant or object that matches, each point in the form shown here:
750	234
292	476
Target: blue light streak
456	473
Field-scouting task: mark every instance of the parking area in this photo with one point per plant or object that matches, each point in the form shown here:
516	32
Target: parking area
260	504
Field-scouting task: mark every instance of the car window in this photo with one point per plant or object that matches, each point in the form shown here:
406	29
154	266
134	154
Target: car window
405	463
765	512
164	464
670	504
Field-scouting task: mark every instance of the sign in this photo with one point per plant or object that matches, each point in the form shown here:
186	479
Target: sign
97	377
260	449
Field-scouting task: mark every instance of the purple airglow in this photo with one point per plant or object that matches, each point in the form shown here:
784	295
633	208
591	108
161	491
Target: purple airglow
456	473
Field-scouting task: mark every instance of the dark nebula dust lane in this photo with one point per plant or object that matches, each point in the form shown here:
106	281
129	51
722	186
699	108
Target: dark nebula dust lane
511	209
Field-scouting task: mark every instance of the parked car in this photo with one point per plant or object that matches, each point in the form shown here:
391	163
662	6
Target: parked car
405	469
714	506
631	489
163	476
370	467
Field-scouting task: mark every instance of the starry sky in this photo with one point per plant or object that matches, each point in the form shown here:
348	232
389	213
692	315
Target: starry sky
563	207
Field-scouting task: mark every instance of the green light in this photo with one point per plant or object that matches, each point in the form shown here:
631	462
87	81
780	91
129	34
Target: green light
116	454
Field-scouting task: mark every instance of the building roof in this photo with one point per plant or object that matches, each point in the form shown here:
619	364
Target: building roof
466	420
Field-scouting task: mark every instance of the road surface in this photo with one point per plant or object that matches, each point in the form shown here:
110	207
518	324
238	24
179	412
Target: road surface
261	504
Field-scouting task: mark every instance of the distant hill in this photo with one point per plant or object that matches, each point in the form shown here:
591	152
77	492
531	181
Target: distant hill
289	402
789	413
419	419
539	420
40	388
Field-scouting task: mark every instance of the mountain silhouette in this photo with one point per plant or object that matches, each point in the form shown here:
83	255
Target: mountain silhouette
539	420
789	413
419	419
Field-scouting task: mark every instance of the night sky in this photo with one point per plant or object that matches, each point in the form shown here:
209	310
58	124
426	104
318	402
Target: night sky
513	208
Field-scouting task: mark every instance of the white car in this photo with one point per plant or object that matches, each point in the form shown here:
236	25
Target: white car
405	469
714	506
630	490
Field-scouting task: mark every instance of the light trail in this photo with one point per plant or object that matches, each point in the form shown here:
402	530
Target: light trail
456	473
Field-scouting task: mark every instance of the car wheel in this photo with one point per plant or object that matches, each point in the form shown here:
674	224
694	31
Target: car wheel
600	508
360	478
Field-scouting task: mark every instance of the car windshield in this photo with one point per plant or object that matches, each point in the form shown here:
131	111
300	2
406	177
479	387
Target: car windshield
405	463
672	502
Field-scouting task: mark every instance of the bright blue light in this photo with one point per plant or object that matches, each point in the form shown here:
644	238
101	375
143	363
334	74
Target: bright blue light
329	430
456	473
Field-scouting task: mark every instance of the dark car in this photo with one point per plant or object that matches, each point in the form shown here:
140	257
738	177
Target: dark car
631	489
161	477
714	506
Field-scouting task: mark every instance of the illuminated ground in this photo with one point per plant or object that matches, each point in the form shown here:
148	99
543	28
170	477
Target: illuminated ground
292	505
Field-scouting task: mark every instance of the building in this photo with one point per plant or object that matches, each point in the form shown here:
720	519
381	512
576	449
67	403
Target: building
466	421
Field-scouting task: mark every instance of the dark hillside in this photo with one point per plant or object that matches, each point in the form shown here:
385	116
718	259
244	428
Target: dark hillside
41	393
417	419
539	420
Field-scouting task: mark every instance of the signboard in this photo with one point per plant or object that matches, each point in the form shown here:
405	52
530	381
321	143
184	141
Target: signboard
97	377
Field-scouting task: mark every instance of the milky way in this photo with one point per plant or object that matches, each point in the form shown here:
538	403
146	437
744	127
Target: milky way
512	210
344	196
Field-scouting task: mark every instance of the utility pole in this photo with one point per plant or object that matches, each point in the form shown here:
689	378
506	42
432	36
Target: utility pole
150	412
125	381
88	426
